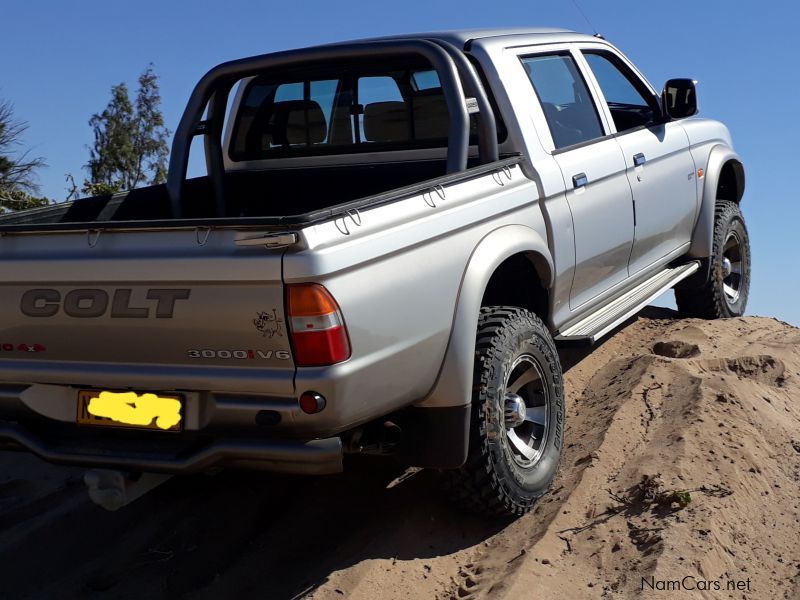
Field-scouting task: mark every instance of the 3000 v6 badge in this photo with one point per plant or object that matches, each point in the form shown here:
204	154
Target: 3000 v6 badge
240	354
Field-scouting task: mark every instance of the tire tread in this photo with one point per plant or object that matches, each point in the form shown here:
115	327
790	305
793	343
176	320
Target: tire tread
477	486
708	301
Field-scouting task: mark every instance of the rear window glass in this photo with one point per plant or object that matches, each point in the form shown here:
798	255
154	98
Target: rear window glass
346	110
425	80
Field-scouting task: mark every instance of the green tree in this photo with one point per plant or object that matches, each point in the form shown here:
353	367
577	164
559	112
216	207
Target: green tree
17	170
130	140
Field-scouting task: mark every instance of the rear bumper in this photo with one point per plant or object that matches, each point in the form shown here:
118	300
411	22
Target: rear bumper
218	431
315	457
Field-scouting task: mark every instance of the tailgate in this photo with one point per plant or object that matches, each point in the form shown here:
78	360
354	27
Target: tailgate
177	309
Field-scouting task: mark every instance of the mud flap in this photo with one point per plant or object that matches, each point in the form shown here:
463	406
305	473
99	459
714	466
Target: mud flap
436	438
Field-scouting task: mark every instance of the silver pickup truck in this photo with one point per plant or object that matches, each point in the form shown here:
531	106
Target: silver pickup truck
393	237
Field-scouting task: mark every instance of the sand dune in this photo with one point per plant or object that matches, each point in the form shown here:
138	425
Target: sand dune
682	469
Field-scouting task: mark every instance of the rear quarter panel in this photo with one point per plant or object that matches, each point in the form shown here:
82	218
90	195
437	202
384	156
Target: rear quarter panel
397	279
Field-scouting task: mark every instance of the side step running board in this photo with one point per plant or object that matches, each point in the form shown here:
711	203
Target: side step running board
599	323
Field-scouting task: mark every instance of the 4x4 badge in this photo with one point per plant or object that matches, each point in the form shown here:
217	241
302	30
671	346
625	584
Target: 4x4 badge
6	347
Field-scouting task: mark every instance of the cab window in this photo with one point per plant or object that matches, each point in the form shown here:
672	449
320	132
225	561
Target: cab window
630	103
568	107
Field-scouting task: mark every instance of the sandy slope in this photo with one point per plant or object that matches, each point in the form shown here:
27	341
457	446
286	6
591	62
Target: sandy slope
711	407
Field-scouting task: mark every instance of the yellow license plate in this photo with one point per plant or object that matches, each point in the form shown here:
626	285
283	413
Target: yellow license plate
133	410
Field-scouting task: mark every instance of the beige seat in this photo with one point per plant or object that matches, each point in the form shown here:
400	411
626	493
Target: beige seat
294	123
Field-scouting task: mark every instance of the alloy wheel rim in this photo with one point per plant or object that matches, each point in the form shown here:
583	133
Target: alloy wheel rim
732	272
526	411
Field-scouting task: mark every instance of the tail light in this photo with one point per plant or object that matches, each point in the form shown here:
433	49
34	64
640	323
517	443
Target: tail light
319	336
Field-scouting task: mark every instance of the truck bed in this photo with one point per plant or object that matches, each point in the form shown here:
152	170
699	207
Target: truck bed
277	198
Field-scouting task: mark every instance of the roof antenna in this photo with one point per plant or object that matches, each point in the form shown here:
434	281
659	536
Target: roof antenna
588	22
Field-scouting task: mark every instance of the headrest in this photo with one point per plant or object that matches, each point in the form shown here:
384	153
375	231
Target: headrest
550	110
386	122
430	116
298	122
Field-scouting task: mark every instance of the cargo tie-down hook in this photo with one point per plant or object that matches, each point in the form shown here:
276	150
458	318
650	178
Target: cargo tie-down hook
92	237
341	225
341	222
427	196
355	216
498	175
201	235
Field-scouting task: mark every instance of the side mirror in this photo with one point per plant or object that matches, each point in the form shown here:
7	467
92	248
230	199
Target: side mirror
679	98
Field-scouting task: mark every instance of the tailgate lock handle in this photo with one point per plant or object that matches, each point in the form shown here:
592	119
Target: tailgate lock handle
279	240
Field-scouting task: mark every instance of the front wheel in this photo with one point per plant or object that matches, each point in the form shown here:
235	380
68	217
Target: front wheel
725	292
517	426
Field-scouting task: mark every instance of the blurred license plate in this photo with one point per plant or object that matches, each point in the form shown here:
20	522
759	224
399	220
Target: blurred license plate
133	410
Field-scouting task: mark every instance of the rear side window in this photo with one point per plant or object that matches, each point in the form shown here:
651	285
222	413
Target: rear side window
565	99
630	104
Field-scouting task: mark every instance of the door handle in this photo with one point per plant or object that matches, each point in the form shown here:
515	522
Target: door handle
639	160
579	180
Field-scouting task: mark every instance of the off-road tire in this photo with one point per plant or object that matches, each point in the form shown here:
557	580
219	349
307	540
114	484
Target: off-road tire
491	482
710	301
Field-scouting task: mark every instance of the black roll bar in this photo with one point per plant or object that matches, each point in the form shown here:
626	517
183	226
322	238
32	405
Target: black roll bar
487	126
213	89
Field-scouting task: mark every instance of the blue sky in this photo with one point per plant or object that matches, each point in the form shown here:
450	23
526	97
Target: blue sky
58	61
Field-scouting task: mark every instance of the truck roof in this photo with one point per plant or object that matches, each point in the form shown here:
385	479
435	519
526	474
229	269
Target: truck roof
460	37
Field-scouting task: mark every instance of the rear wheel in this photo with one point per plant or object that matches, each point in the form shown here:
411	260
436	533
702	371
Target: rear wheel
725	292
517	426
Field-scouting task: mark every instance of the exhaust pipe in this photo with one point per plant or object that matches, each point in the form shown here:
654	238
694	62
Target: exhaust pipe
374	439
